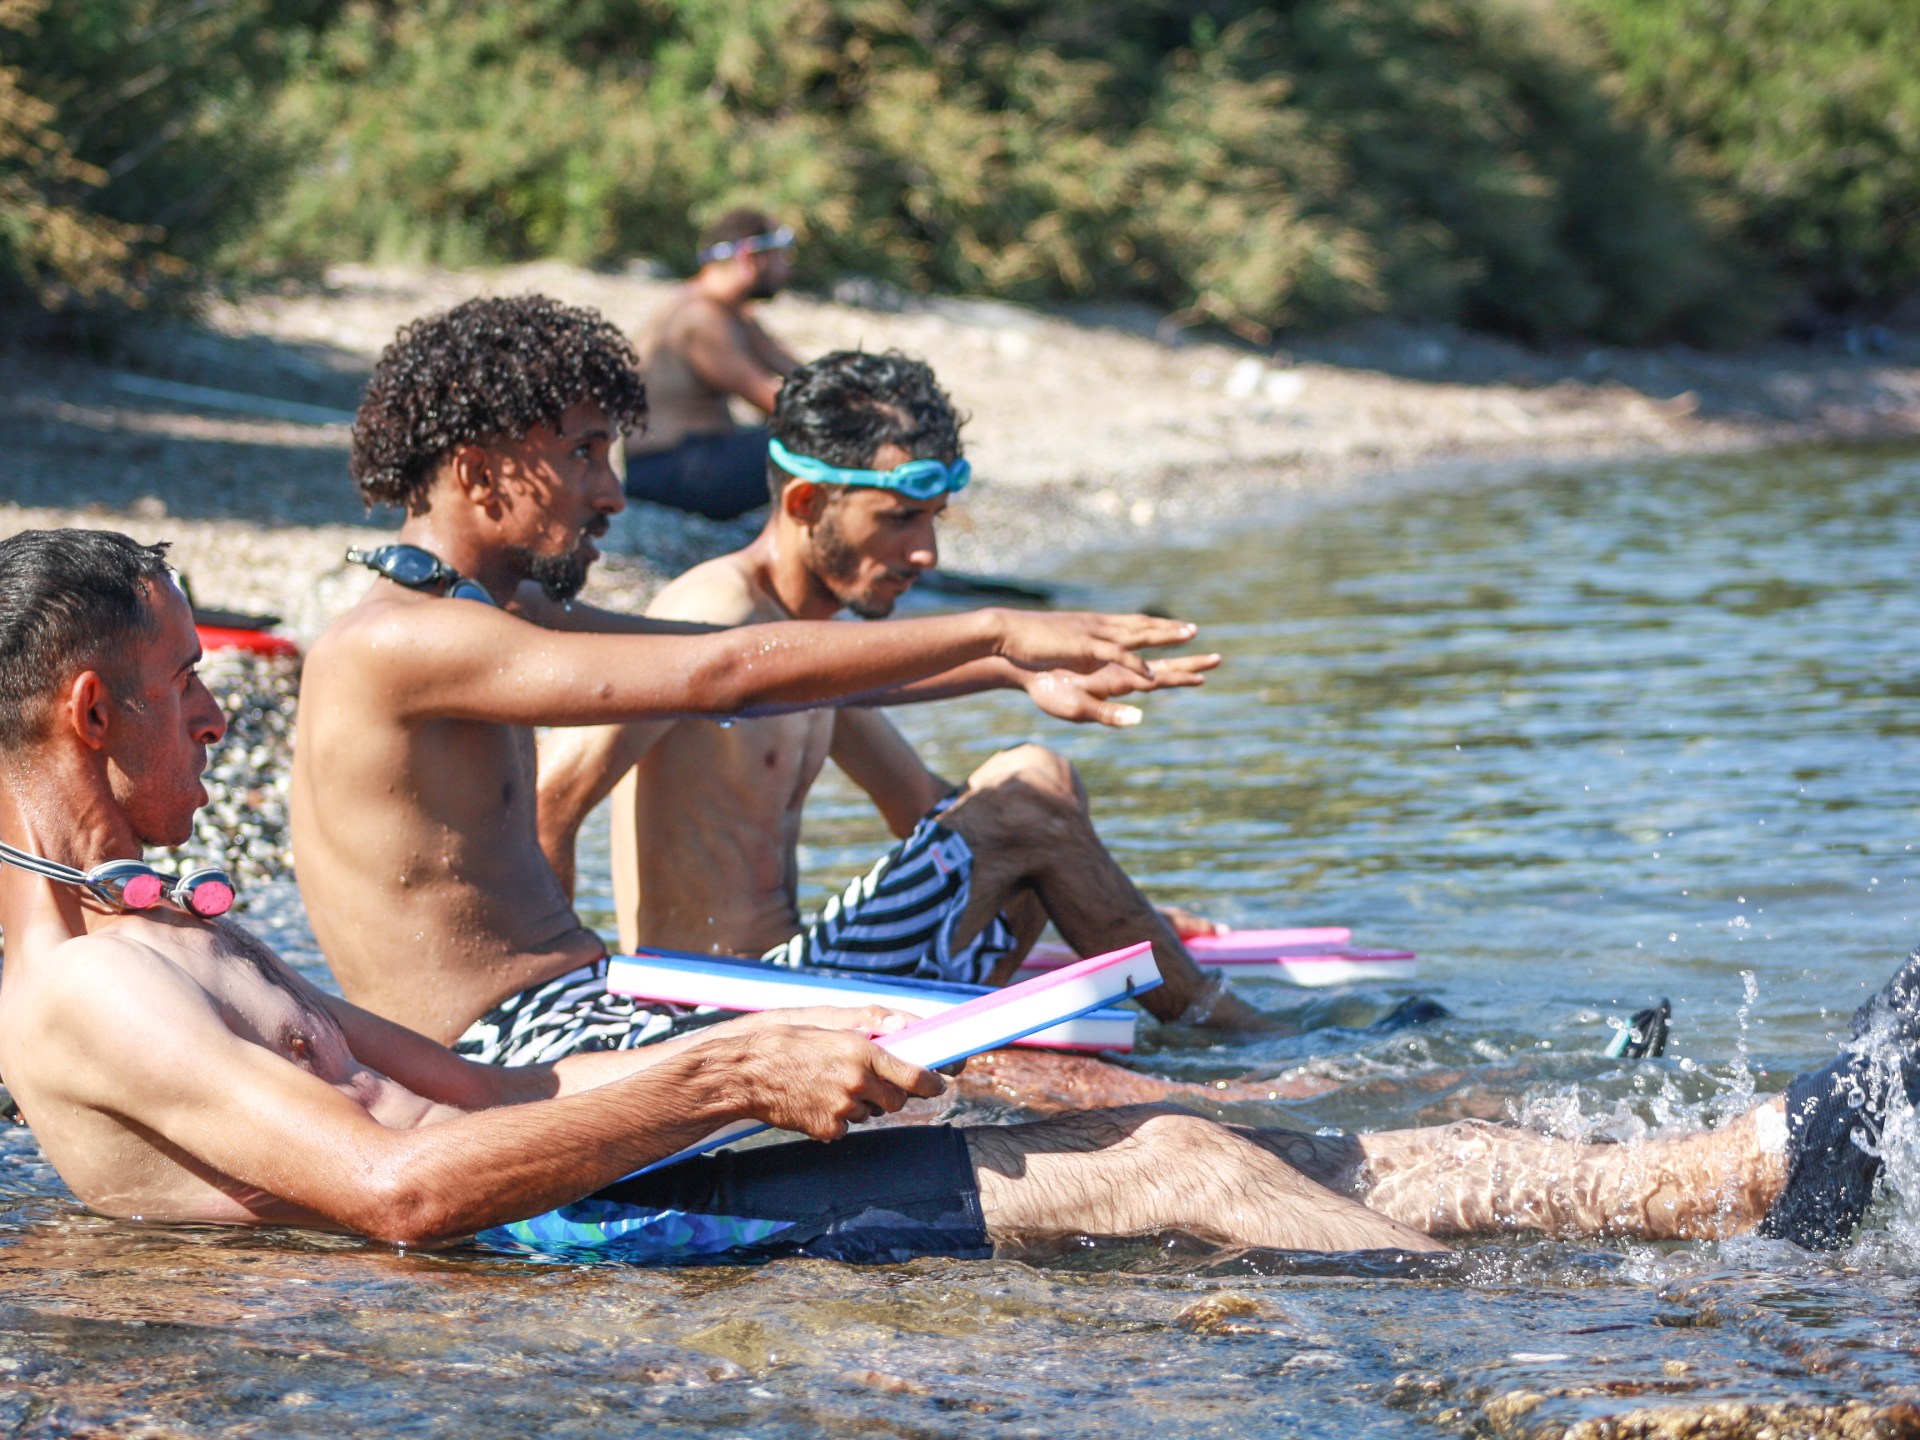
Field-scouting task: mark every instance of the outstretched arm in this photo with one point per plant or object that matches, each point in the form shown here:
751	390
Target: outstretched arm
473	662
1063	694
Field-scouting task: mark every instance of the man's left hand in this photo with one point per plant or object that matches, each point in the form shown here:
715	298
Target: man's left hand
1067	695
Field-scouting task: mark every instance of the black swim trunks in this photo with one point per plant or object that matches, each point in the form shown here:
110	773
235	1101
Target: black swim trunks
877	1198
719	476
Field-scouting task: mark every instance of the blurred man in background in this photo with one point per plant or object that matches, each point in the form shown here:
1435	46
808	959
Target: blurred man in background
702	349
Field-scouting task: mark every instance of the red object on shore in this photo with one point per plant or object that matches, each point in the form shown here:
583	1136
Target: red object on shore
257	642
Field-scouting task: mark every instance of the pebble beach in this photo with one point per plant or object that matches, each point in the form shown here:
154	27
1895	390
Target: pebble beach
1097	426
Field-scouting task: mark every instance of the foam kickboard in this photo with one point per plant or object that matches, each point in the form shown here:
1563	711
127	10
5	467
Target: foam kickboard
678	978
989	1021
1309	957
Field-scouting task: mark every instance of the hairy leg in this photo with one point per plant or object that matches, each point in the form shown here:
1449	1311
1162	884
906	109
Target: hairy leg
1149	1169
1048	1082
1475	1178
1024	815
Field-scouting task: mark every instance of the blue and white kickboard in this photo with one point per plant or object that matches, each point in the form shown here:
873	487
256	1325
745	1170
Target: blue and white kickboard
989	1021
682	979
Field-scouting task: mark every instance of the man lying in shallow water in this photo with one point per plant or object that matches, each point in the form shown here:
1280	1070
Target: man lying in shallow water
174	1069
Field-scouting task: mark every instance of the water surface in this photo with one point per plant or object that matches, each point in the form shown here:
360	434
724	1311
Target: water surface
1582	740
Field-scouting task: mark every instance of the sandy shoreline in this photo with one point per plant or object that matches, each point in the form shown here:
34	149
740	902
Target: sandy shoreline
1085	428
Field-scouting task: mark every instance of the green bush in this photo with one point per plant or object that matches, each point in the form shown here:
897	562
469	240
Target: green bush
1800	118
1260	166
132	142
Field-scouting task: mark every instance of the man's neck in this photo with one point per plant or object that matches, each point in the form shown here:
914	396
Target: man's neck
721	285
58	809
467	552
777	559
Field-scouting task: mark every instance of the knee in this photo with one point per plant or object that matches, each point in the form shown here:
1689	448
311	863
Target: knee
1033	777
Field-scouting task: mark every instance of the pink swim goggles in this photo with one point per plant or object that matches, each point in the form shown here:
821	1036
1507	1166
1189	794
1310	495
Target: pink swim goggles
136	885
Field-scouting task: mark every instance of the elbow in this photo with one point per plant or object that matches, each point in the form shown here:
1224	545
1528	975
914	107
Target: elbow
725	685
399	1210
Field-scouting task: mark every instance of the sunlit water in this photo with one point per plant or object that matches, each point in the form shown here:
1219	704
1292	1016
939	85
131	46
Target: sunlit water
1582	740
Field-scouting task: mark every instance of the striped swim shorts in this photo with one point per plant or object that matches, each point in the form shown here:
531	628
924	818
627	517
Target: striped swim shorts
568	1015
899	918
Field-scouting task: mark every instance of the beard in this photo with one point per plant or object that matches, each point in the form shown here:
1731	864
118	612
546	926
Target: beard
837	563
561	577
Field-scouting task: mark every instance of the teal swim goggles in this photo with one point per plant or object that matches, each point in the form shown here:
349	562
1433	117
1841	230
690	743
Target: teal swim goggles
917	479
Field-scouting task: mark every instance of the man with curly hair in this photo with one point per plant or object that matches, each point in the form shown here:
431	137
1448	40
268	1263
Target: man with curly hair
414	786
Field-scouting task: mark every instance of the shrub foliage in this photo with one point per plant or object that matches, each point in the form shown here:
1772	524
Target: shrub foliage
1628	170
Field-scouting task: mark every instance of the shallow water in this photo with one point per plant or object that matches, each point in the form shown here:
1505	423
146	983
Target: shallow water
1581	741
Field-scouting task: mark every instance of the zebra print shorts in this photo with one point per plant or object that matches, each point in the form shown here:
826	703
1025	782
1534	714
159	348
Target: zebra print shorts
568	1015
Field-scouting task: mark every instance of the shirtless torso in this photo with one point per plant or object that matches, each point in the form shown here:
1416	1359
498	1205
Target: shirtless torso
719	806
420	864
699	352
145	976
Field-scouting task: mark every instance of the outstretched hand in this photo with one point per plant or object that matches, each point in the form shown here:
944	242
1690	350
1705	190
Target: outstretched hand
1085	641
1069	695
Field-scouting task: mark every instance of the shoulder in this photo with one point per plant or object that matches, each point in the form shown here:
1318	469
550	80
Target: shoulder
718	592
401	632
92	987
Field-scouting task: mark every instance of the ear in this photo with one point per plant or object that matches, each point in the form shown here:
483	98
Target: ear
472	471
86	707
803	502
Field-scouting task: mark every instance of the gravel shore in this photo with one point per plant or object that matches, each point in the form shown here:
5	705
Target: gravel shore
1087	427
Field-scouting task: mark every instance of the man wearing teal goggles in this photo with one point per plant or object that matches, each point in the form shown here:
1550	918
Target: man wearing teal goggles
864	460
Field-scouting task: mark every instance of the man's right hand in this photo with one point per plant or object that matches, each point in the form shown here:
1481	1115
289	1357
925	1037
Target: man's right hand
815	1081
1084	640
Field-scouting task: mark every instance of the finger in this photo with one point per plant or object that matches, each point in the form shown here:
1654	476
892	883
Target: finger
1148	632
1119	717
1107	652
1183	670
907	1076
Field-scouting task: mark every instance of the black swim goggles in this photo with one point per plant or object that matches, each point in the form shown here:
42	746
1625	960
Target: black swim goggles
419	569
134	884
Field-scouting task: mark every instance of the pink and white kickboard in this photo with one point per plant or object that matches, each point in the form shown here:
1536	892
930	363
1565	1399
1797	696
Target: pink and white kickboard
1311	956
992	1020
678	978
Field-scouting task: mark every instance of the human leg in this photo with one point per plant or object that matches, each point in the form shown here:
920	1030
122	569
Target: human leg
1148	1169
1476	1178
1025	817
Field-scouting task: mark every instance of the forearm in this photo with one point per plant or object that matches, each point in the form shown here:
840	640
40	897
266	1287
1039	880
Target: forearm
793	664
973	678
460	1176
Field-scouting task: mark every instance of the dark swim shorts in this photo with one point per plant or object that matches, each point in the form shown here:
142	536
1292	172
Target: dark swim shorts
719	476
871	1199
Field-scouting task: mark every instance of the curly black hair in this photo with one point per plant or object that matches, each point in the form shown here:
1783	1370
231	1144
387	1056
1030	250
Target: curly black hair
843	407
489	369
